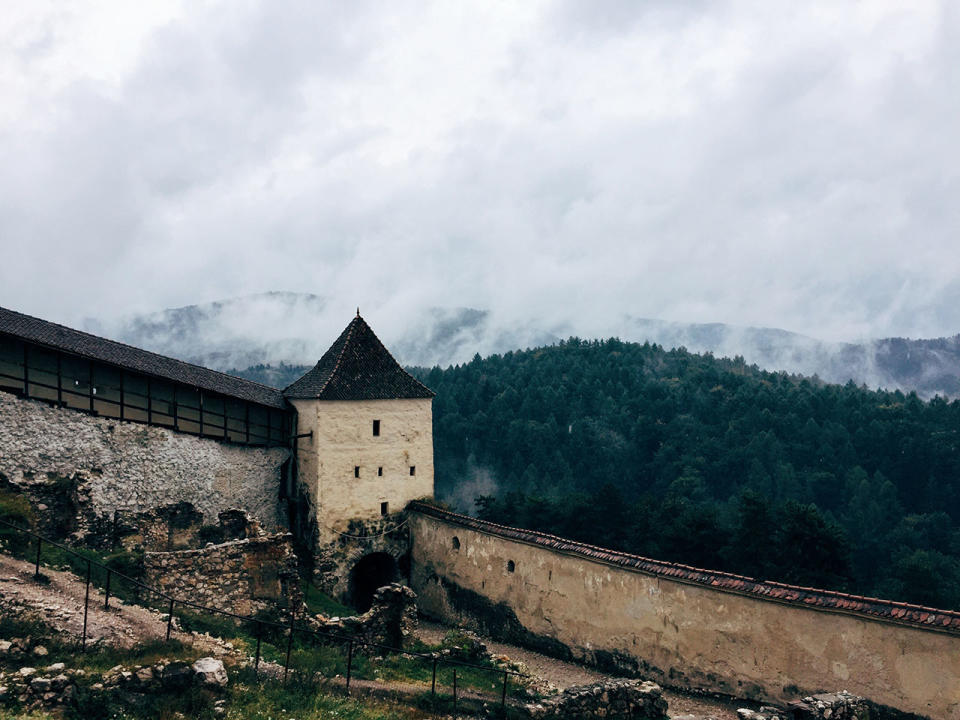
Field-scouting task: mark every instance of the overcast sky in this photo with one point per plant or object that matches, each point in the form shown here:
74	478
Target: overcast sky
787	164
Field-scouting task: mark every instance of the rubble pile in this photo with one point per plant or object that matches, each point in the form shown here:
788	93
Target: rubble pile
613	699
390	621
56	685
764	713
31	687
831	706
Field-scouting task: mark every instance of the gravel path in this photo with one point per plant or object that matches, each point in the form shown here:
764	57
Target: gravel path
566	674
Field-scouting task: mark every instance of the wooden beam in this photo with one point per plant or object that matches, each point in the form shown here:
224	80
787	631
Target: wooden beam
59	379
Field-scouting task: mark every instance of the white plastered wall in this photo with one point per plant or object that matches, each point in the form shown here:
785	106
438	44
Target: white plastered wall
343	440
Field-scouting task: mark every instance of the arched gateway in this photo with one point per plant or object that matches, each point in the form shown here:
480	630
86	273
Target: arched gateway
371	572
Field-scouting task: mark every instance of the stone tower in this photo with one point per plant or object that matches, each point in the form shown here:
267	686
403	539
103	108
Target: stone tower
369	449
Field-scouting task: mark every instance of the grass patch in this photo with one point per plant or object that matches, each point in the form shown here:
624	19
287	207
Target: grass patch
272	700
403	668
189	703
318	603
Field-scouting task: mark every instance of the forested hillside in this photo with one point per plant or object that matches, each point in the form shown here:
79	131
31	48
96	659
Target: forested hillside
709	462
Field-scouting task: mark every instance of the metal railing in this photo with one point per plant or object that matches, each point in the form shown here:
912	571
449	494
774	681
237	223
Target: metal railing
262	626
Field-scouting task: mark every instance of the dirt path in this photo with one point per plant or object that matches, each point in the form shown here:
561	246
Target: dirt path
60	602
566	674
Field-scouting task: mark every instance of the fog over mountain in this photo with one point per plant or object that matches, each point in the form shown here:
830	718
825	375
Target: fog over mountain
295	329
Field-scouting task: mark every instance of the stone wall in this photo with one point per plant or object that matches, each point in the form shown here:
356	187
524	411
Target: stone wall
612	699
96	466
677	626
181	527
241	576
390	621
334	561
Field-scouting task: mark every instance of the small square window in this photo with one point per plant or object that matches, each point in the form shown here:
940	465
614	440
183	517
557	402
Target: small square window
379	472
376	428
356	471
384	508
413	469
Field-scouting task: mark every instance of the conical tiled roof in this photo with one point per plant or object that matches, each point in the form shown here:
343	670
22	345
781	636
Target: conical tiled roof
357	367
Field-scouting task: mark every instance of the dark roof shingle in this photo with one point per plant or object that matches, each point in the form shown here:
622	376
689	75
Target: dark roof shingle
59	337
828	600
357	367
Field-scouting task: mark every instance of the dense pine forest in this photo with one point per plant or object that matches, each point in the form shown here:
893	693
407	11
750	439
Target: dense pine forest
708	462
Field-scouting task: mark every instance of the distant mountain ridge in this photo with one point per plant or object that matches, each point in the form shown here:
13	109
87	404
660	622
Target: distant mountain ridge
927	366
271	336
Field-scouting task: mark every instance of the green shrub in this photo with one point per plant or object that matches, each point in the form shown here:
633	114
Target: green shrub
15	508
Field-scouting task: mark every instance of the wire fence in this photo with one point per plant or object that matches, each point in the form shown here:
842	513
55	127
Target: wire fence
287	650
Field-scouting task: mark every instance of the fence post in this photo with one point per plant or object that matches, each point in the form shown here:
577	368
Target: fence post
286	664
503	696
106	599
433	683
36	570
86	608
454	689
256	662
169	619
349	665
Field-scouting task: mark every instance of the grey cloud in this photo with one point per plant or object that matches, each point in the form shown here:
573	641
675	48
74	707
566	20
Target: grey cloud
737	162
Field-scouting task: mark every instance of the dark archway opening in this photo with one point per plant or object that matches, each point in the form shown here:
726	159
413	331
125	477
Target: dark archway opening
371	572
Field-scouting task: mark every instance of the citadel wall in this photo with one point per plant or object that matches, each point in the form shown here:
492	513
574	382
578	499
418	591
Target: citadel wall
239	576
343	441
581	602
102	465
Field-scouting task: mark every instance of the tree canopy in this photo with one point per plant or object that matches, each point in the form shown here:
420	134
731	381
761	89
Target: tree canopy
709	462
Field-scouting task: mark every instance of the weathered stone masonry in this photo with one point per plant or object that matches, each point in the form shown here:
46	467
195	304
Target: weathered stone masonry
110	465
679	625
240	576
